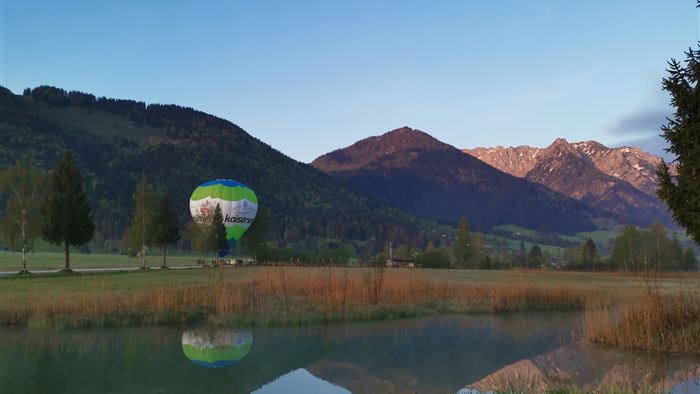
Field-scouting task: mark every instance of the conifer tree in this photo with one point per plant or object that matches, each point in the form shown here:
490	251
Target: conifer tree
65	210
255	238
217	231
535	255
167	229
681	192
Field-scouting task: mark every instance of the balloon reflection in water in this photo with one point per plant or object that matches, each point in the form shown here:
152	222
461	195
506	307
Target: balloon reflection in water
216	348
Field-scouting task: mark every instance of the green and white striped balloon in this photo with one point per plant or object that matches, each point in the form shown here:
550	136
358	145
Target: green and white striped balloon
238	202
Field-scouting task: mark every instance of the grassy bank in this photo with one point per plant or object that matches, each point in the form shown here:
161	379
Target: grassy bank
275	295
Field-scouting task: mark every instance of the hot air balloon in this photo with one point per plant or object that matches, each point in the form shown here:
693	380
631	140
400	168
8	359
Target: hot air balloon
216	348
238	203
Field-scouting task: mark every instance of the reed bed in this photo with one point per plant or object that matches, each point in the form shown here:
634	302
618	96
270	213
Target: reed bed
288	296
647	320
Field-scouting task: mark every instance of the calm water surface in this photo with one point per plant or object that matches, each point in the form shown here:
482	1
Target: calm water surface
433	354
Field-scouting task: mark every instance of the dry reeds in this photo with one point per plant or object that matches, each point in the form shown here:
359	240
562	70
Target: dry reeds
287	295
648	320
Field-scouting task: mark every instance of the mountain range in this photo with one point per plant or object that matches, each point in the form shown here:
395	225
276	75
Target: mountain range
621	181
401	186
414	171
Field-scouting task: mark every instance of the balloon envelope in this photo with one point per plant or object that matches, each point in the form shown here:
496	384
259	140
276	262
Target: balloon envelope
216	348
238	202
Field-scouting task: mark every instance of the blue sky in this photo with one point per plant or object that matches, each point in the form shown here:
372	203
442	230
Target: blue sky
308	77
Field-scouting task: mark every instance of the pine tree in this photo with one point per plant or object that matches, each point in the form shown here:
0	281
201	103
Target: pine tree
217	232
65	210
24	187
255	238
167	229
535	255
682	191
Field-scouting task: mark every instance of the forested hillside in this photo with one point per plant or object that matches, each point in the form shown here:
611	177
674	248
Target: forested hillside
177	148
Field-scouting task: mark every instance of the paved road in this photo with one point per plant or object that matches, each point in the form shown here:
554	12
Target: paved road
125	269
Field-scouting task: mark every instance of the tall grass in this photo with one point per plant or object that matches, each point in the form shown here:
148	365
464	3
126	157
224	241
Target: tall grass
289	296
648	320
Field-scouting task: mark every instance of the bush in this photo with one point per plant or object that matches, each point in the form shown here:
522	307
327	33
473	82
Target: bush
434	259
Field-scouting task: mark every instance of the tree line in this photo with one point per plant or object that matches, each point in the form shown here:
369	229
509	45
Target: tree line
55	207
634	250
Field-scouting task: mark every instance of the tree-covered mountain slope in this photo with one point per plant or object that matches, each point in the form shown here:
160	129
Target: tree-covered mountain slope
177	148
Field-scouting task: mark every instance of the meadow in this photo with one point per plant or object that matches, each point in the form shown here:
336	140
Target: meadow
48	260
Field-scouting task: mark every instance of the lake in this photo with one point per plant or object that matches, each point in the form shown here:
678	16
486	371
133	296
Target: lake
431	354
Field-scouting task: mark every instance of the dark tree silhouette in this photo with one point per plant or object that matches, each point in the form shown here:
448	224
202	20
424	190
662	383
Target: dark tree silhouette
254	239
681	192
167	229
217	235
65	210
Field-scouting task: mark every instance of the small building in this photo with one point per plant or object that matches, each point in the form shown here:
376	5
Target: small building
394	262
400	263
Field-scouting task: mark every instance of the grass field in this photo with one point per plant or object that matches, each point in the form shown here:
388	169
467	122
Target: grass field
45	289
11	261
551	249
47	286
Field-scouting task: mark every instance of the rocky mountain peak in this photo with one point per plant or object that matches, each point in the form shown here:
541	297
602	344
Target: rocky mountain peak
629	164
365	151
561	147
403	138
620	180
590	147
